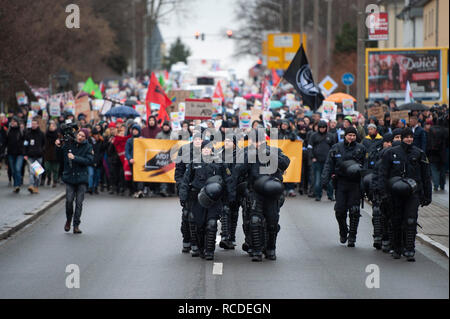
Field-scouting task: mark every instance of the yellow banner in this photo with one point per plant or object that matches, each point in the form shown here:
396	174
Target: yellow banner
155	162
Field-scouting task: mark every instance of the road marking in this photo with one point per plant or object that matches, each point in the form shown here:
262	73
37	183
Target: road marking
217	268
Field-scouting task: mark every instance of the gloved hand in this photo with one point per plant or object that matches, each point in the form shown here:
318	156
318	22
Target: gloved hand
293	138
425	202
182	203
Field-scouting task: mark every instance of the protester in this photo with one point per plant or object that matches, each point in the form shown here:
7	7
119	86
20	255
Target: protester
15	151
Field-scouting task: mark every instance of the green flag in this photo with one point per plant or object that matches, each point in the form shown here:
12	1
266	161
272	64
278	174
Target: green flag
161	80
91	88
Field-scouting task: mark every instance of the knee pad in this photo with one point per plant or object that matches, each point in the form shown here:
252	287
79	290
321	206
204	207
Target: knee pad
211	225
273	228
191	217
256	220
354	211
341	214
185	215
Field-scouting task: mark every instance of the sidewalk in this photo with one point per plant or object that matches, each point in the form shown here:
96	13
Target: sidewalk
434	218
17	210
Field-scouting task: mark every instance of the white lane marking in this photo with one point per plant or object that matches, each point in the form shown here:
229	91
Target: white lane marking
217	269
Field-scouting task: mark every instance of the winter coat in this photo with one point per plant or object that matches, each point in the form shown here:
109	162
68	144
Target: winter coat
76	170
50	147
14	141
320	145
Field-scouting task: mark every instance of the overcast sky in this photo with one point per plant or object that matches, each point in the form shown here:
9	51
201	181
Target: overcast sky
210	17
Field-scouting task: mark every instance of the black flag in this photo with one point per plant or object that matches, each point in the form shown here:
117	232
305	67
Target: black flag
300	76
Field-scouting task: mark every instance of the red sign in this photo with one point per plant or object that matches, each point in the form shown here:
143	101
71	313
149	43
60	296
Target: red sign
379	26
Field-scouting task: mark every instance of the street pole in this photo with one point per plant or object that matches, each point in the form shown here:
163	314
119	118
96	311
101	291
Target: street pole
316	39
360	87
133	62
329	21
290	15
302	16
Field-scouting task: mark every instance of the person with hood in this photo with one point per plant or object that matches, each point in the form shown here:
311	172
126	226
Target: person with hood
15	152
51	163
301	133
137	187
320	144
166	132
34	150
115	165
98	146
285	133
77	155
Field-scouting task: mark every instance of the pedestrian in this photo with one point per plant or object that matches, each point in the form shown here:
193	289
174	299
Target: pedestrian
78	155
15	151
420	136
405	172
137	187
114	163
51	163
436	154
373	143
343	166
98	146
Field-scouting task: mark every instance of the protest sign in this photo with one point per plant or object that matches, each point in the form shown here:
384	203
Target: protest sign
198	109
177	97
348	106
239	103
35	106
29	118
142	110
376	111
182	107
43	104
329	110
267	115
106	107
217	105
398	115
82	106
70	106
256	114
97	104
55	105
22	98
36	168
245	119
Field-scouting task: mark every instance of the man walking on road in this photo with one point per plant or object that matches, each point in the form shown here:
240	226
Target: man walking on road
78	155
34	151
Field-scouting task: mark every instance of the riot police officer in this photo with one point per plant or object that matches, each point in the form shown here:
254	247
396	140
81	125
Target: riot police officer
186	153
405	172
263	166
206	182
344	166
228	154
381	202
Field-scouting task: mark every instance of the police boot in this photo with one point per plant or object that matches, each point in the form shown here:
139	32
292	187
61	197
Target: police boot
194	239
343	228
246	246
386	243
354	222
233	226
185	231
225	241
210	239
410	240
396	241
272	233
257	236
377	227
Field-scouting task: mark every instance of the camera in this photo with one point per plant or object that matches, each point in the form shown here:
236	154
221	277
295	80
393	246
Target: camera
68	130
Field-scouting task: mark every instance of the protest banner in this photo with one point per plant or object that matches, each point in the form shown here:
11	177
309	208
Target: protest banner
55	105
267	115
70	106
142	110
348	106
22	98
43	104
106	107
217	105
36	168
329	110
398	115
239	103
97	104
182	107
256	114
245	119
155	159
29	118
376	111
177	97
82	107
200	109
35	106
176	118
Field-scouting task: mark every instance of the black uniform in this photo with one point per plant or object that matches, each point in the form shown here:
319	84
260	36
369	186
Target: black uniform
348	193
202	221
264	211
406	161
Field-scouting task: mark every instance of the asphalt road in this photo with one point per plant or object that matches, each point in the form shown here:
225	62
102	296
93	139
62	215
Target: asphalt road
132	249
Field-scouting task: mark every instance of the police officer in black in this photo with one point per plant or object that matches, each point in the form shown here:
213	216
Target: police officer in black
344	165
263	167
186	154
405	172
382	208
206	181
228	154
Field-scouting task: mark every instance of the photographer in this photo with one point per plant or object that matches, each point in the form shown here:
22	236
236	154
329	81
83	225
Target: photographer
78	155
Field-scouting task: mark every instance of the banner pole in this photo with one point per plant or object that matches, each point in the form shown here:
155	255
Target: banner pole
275	89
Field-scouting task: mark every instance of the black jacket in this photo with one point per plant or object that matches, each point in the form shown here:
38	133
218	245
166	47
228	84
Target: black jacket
320	145
76	170
34	143
14	141
406	161
420	138
340	153
50	147
373	147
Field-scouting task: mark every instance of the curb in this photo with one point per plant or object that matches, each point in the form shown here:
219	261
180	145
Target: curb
424	239
33	215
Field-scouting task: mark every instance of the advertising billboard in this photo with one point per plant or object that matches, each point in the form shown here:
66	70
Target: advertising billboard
388	71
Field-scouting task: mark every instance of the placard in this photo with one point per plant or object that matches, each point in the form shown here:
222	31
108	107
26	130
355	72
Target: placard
106	107
142	110
22	98
35	106
256	114
400	115
376	111
329	110
348	106
245	119
239	103
177	97
82	106
55	105
217	105
198	109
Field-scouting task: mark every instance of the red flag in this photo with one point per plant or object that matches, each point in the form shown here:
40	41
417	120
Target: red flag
218	91
166	75
156	94
275	78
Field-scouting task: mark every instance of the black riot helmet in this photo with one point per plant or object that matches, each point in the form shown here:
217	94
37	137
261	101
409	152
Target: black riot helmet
352	170
269	187
402	187
211	192
367	181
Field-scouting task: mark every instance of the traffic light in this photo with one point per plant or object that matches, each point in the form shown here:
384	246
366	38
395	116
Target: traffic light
229	33
197	35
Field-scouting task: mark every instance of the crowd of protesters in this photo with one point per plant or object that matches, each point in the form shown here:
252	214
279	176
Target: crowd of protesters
112	142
